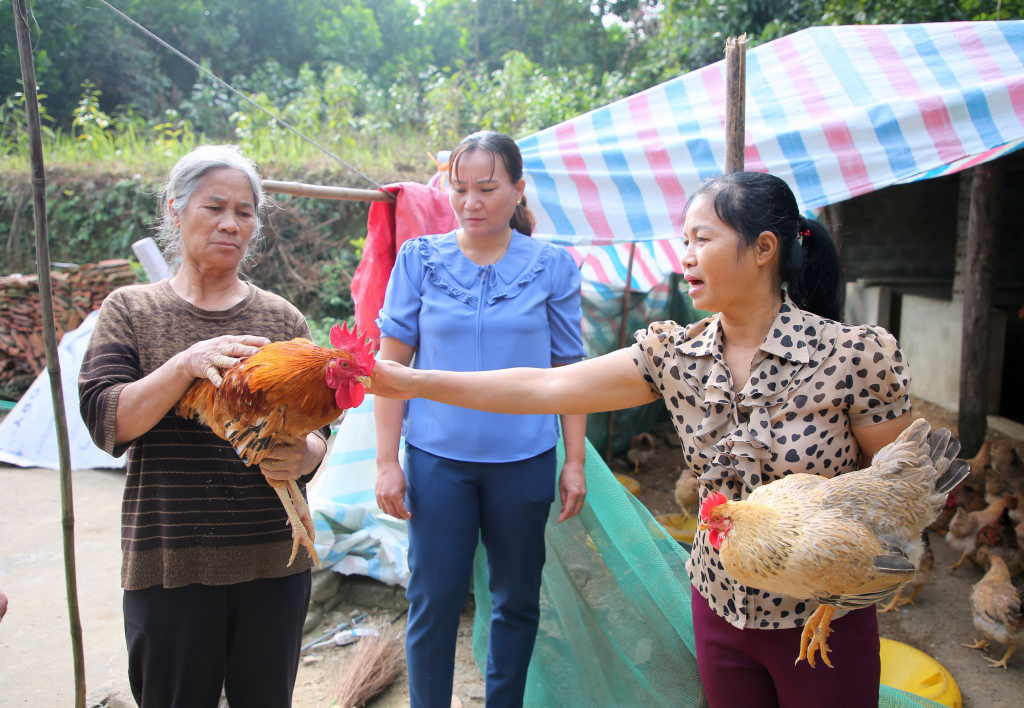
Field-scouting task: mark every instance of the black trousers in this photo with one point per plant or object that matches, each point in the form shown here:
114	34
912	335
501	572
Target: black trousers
185	644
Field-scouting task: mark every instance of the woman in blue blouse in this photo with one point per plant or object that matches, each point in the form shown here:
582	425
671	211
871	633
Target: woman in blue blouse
484	297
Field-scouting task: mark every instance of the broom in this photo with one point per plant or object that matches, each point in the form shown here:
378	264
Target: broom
373	667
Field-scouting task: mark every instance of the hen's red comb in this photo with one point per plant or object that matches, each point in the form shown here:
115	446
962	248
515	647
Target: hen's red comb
714	499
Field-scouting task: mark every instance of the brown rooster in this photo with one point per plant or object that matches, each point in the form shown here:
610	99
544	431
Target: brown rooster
280	395
846	542
999	539
997	612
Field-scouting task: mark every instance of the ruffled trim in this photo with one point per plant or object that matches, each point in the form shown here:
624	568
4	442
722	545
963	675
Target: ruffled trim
431	268
525	279
744	450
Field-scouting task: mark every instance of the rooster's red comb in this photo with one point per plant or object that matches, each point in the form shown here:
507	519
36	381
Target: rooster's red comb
714	499
344	338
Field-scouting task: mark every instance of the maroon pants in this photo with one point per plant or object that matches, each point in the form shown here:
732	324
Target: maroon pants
754	668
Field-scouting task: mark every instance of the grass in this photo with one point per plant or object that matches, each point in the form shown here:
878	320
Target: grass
380	155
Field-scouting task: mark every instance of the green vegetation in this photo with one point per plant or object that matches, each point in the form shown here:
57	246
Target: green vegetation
379	82
370	78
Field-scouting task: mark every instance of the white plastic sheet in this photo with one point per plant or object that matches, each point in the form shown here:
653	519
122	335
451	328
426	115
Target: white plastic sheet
28	435
353	536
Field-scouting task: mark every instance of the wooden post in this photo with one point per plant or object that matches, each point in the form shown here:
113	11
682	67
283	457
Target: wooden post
623	327
735	103
28	78
978	284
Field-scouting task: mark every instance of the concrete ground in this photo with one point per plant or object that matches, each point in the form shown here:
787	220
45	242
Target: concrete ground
36	667
35	649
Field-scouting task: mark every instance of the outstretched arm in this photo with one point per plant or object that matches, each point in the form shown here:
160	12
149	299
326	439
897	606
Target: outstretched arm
610	382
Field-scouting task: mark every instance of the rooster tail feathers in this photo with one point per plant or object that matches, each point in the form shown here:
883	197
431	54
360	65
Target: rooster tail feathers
954	474
908	450
943	449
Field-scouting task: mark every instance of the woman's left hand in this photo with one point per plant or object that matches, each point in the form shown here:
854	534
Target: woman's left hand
289	460
572	485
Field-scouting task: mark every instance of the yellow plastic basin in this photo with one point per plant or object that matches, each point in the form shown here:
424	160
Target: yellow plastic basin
913	671
678	526
631	485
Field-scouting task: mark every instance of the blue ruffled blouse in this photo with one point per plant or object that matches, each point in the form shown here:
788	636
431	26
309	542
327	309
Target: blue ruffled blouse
523	310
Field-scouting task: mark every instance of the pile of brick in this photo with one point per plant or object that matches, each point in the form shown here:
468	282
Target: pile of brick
77	291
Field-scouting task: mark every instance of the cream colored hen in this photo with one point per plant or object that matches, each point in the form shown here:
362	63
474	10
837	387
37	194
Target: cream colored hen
997	612
845	542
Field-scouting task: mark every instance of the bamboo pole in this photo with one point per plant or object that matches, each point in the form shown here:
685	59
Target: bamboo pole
319	191
735	102
979	283
28	78
623	326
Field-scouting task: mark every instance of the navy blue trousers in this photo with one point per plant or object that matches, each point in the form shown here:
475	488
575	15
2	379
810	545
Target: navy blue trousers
453	505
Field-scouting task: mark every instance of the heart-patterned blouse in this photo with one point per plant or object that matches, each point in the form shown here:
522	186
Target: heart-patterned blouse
811	382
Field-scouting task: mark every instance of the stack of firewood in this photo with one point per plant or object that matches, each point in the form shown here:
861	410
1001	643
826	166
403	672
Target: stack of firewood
77	291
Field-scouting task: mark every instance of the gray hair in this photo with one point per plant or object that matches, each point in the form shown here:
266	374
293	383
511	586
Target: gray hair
186	177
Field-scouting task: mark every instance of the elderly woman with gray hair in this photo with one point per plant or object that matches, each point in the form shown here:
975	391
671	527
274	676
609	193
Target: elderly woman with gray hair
209	600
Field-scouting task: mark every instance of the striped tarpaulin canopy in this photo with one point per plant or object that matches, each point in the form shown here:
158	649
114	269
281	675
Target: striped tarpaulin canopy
835	111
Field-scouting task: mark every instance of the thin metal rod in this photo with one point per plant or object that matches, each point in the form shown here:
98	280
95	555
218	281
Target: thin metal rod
319	191
28	78
735	103
623	327
203	70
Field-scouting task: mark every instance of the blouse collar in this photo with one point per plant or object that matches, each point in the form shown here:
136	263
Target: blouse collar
466	272
787	338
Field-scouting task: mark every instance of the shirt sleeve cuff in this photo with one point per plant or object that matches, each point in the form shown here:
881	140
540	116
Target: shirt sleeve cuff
880	414
110	398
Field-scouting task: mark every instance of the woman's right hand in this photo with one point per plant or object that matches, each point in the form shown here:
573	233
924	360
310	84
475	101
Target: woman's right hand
390	489
206	359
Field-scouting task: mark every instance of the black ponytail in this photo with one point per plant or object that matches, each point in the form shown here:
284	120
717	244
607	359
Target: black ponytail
505	147
755	202
816	286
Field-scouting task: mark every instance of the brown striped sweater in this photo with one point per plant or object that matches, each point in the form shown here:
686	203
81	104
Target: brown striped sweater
192	511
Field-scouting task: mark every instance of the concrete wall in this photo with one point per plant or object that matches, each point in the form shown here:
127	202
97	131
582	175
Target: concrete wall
865	304
931	334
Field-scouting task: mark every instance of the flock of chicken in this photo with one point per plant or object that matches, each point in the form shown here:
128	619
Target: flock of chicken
983	519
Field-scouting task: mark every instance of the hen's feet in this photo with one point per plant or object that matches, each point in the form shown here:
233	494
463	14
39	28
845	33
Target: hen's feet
815	635
298	516
978	644
893	604
993	664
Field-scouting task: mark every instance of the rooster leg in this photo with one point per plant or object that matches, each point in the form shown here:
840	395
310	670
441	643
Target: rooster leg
894	604
299	529
910	600
955	568
302	509
815	634
636	467
993	664
978	644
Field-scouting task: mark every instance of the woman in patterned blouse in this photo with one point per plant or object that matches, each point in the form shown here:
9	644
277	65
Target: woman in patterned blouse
771	385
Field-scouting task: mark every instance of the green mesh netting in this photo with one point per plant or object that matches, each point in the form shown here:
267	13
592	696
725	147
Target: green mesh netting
615	624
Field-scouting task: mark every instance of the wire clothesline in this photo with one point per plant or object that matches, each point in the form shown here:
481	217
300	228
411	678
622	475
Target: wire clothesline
240	94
